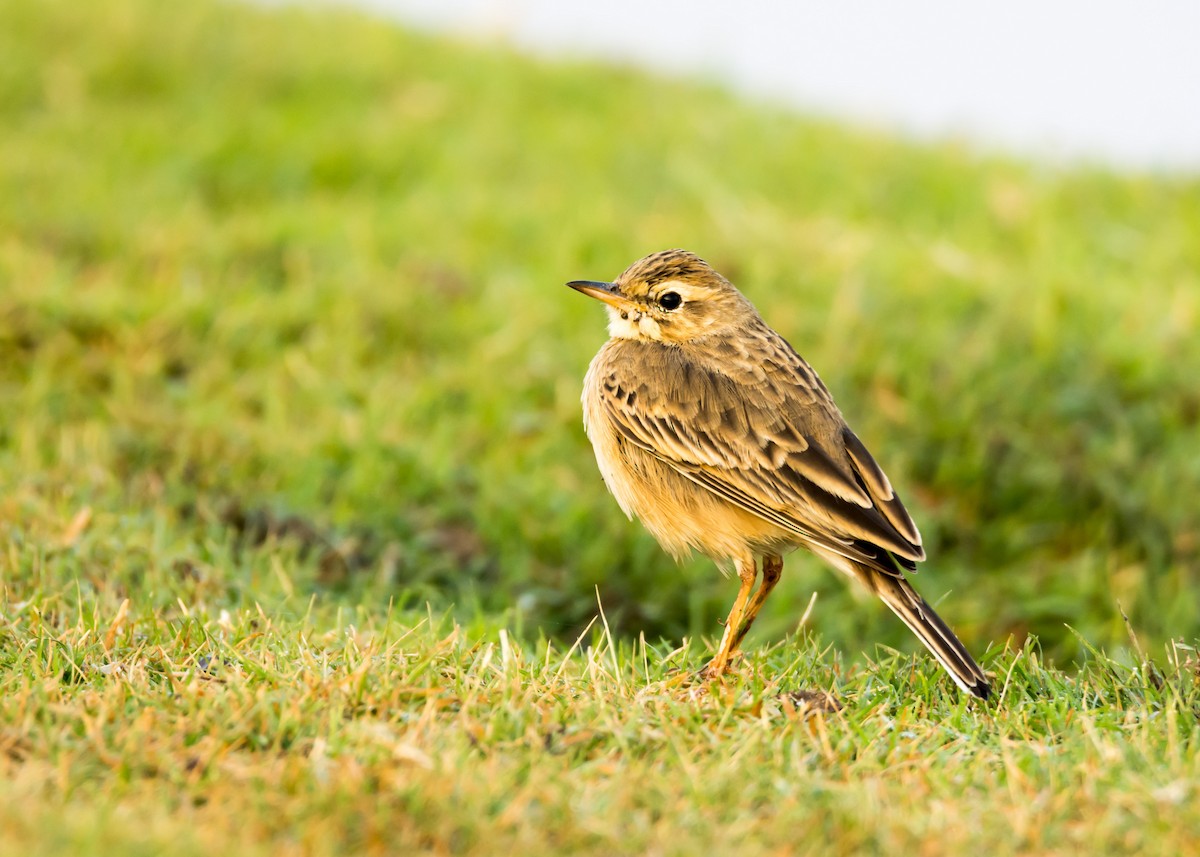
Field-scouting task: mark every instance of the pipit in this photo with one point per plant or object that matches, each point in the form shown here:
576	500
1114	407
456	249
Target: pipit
713	431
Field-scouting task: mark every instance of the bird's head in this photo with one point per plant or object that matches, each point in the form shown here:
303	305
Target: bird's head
671	297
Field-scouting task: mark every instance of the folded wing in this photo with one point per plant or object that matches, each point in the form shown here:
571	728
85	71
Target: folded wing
770	440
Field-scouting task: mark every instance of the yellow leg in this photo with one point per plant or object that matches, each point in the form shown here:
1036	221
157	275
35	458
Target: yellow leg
720	663
772	570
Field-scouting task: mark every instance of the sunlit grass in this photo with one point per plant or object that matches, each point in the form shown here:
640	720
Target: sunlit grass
383	731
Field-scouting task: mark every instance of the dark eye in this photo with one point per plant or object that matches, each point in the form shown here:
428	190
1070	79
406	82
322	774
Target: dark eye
670	301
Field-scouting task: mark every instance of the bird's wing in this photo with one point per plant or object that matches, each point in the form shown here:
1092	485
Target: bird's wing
766	436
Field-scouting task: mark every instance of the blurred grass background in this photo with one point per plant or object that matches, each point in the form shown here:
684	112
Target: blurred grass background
278	283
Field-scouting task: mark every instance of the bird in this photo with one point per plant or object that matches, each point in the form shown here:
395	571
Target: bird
716	434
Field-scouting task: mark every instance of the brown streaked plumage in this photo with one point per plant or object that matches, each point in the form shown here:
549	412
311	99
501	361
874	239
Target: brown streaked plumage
715	433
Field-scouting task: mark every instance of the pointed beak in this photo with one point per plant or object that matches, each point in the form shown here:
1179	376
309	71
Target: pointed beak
607	292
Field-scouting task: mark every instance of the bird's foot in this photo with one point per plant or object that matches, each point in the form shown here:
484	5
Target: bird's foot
720	667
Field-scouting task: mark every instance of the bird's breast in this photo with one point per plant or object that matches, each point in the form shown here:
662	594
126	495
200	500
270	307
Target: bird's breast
681	515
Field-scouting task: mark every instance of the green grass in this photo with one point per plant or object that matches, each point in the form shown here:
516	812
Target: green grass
289	384
376	732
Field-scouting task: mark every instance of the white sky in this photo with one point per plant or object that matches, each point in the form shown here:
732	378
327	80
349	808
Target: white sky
1111	80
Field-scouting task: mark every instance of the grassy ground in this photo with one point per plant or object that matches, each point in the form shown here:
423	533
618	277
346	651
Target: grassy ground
299	528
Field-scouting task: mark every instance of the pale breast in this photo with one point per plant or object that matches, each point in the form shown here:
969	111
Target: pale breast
680	514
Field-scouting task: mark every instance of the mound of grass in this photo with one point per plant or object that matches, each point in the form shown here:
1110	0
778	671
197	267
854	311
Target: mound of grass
285	356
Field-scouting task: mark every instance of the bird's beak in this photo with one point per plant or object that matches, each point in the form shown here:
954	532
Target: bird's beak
607	292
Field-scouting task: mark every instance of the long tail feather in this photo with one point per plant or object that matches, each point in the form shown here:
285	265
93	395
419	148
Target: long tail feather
906	603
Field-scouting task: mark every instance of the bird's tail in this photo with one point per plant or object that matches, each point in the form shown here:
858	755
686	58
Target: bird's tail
906	603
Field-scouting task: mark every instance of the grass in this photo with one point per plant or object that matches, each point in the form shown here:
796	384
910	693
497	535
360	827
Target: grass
301	541
372	732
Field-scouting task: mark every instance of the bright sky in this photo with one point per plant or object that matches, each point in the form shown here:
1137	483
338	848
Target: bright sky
1111	80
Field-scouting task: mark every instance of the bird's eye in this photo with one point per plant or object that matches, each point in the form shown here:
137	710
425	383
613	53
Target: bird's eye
670	301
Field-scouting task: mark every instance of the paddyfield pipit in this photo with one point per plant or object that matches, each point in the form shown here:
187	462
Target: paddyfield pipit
714	432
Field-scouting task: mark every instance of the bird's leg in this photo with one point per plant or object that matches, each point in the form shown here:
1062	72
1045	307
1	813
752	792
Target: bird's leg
772	570
747	571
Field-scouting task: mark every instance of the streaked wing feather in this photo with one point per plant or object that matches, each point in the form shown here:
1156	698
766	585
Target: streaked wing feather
880	489
771	443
